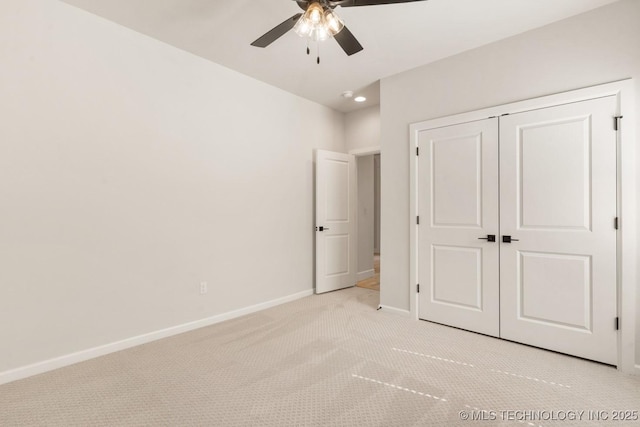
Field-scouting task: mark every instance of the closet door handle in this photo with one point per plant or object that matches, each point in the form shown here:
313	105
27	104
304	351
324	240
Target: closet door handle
489	238
509	239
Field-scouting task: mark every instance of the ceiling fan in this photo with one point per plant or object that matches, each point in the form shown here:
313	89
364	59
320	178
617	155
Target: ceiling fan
319	22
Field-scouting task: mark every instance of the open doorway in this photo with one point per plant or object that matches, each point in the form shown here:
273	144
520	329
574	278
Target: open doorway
368	219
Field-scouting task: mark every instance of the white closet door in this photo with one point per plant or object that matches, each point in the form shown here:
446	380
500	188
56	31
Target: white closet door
458	206
558	198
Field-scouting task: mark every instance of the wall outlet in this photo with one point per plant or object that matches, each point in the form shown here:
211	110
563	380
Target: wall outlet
203	288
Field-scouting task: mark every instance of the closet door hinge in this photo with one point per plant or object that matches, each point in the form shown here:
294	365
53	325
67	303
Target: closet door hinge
418	220
418	288
617	323
616	223
417	151
616	122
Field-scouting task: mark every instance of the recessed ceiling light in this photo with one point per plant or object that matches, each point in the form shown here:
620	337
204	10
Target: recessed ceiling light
360	99
347	94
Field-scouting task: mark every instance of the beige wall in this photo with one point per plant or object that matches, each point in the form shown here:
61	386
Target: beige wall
597	47
362	132
130	171
362	128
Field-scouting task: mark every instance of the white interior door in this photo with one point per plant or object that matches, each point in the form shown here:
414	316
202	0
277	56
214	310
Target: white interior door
458	208
558	198
335	221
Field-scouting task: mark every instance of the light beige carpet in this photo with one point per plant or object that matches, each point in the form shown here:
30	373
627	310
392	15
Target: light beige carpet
327	360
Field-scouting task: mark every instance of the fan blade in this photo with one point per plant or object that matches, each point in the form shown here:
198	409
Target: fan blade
276	32
348	42
352	3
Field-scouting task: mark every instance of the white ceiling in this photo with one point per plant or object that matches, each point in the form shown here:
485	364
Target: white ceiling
395	37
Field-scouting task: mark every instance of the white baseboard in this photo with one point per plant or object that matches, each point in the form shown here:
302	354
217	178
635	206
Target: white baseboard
91	353
366	274
404	313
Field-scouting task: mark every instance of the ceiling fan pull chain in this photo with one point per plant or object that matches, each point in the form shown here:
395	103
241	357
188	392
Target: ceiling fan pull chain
318	45
308	50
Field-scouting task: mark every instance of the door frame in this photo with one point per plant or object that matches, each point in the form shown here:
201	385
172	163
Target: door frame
626	195
362	152
353	253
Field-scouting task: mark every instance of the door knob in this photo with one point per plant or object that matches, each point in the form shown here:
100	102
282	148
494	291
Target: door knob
321	228
489	238
508	239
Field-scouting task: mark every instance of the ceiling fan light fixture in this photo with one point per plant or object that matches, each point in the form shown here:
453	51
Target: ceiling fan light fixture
318	23
314	13
333	22
319	34
302	27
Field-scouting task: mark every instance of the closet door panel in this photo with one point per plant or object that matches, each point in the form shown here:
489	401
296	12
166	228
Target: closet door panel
558	204
458	206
